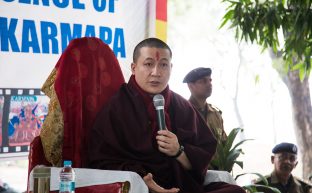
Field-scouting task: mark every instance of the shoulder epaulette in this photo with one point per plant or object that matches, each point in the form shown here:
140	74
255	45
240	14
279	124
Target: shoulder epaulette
215	108
303	181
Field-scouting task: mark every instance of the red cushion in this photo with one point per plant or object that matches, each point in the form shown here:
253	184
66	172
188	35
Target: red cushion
104	188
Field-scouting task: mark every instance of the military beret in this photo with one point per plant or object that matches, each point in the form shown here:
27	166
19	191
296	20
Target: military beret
196	74
285	147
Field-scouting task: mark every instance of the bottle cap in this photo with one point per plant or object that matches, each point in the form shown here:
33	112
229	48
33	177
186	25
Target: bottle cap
67	163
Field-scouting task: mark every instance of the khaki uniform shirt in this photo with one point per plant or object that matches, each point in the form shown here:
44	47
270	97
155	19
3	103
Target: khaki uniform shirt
294	185
213	118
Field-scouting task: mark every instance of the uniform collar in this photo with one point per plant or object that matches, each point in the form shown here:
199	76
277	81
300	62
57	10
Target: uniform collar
197	104
291	179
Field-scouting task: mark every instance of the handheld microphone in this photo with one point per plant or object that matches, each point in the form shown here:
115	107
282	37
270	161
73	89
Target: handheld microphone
159	103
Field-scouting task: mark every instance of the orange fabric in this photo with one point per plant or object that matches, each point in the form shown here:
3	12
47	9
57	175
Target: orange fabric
88	74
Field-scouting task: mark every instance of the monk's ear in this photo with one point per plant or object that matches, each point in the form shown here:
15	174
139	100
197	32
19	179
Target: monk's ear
133	65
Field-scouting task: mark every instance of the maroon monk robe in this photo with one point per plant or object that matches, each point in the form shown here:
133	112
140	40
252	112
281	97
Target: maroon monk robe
123	138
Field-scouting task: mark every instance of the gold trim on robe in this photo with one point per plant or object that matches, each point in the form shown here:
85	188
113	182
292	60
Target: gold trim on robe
52	131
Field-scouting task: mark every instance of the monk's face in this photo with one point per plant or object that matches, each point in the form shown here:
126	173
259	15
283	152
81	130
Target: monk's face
152	69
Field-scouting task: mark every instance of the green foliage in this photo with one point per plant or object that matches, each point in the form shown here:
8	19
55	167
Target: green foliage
227	152
261	22
252	188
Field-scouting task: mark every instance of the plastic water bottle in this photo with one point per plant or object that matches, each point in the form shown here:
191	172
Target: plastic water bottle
67	178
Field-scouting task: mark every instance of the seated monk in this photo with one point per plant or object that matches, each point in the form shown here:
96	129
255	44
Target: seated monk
125	135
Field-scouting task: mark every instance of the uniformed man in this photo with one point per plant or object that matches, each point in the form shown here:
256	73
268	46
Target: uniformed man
284	159
199	83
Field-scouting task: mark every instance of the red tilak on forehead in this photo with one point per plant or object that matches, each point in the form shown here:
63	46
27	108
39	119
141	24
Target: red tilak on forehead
157	55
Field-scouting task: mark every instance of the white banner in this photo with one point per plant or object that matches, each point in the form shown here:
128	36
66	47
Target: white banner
33	33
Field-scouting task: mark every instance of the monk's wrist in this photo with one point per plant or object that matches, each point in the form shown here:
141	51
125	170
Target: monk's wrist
180	151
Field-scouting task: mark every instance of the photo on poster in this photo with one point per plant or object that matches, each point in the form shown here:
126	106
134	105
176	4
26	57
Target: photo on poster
1	117
26	115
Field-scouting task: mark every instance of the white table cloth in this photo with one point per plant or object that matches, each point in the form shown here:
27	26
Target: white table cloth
88	177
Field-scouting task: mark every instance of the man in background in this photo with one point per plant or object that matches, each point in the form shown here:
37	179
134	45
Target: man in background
285	160
199	83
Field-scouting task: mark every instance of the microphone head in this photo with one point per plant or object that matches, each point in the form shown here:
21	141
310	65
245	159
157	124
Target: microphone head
159	100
